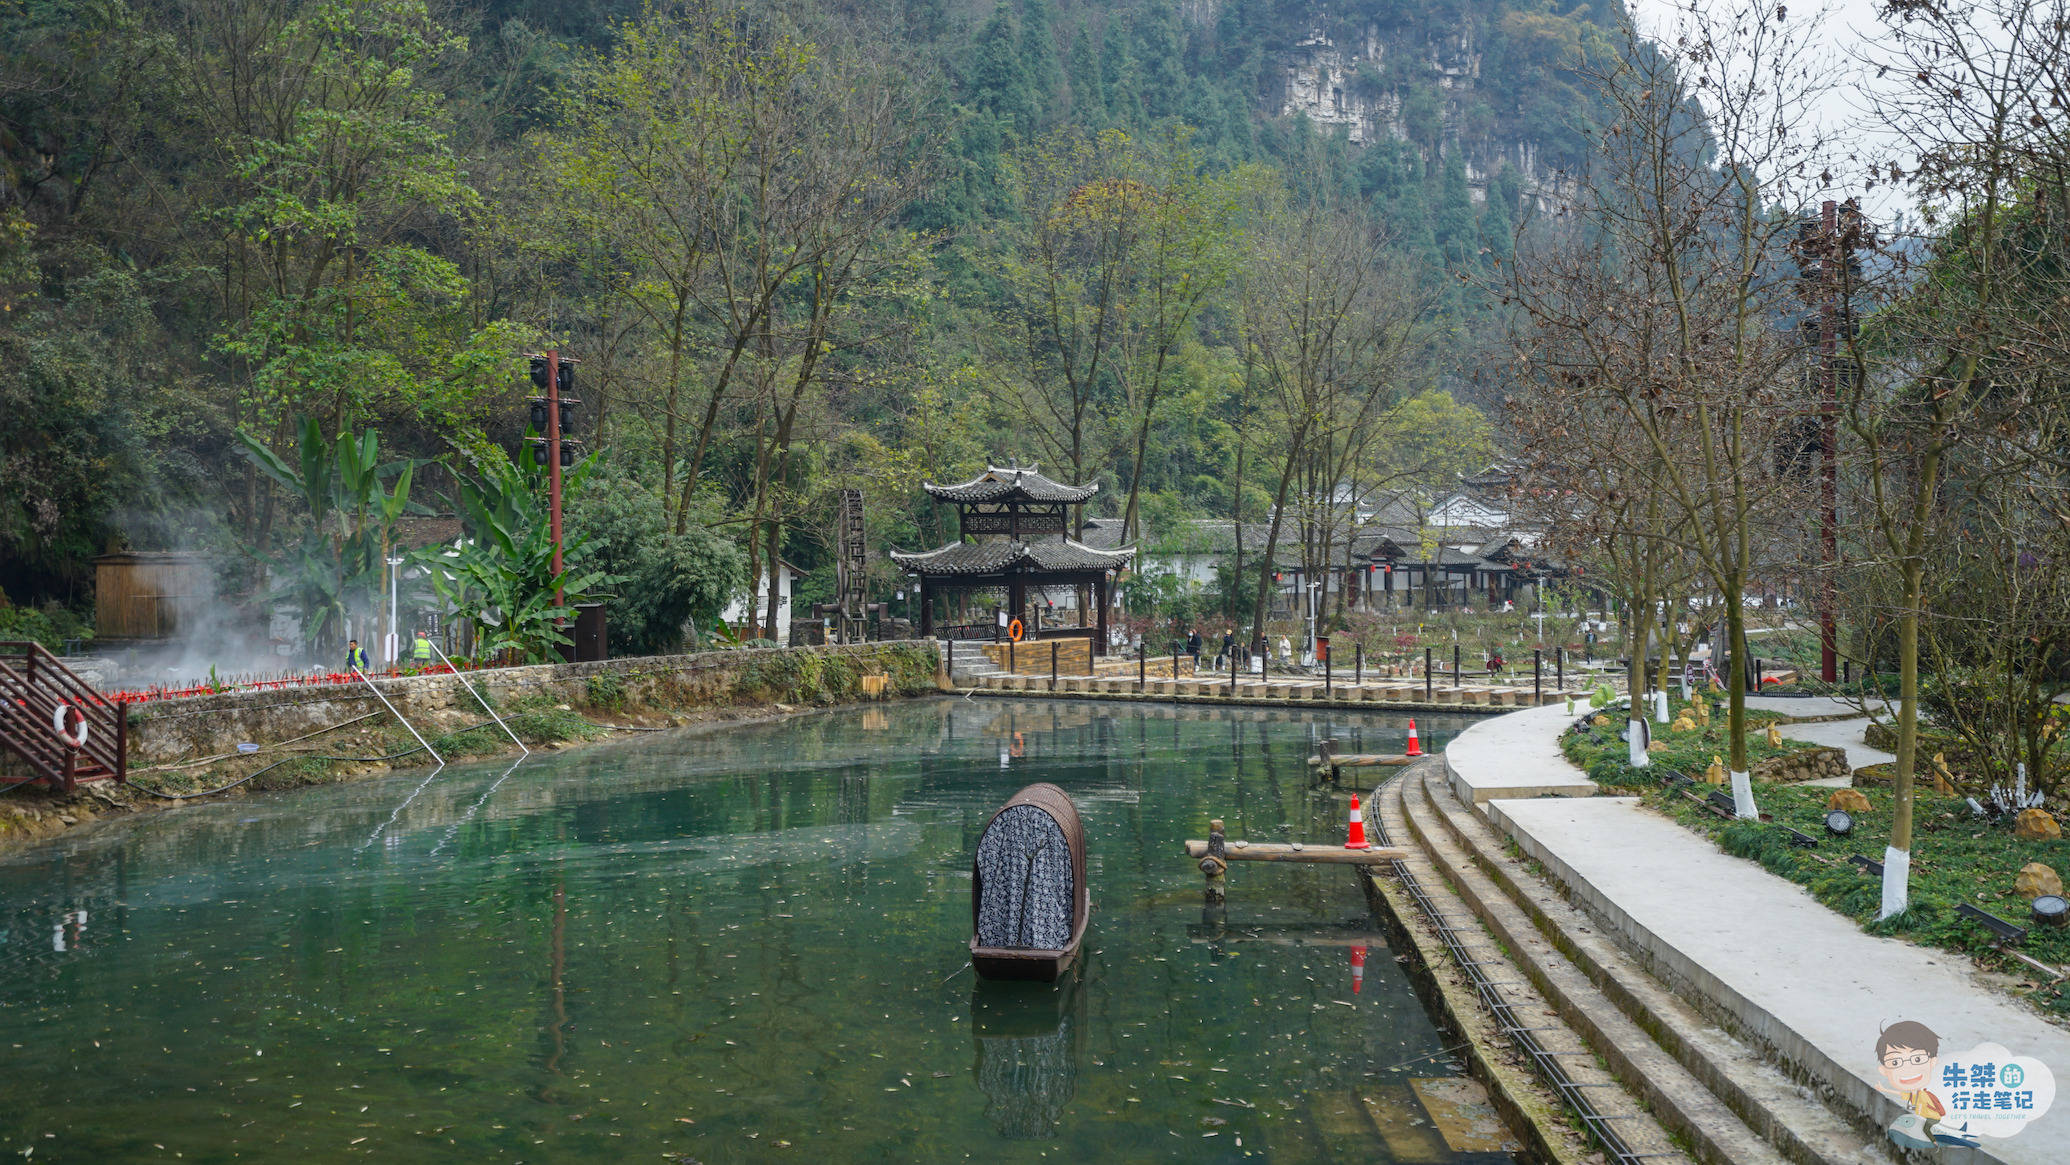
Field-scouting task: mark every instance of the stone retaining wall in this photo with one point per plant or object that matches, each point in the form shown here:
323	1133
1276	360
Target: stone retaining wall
1811	764
208	725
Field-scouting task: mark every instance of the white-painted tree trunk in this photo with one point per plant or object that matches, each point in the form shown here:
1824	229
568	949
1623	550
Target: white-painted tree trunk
1635	732
1897	875
1743	797
1660	706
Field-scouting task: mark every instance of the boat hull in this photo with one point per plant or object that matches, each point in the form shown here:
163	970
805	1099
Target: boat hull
1040	964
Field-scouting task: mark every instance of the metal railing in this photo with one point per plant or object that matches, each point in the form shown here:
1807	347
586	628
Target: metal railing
35	687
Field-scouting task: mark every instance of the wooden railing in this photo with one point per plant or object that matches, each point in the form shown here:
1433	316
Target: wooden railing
34	685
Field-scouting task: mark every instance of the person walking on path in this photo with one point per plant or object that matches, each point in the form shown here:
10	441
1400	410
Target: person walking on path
355	656
1193	646
1228	653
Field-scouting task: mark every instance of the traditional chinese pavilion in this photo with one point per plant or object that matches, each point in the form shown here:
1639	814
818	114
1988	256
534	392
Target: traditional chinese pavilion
1011	526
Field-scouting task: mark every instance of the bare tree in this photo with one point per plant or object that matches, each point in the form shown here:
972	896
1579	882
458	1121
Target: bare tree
1673	329
1970	353
1331	322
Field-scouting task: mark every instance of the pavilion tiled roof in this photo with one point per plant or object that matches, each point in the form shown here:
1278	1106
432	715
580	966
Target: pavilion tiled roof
1050	556
1014	483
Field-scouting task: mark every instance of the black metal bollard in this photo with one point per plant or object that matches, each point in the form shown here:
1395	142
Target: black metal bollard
1455	665
1537	686
1426	675
1560	668
1232	669
1142	665
1358	664
1052	665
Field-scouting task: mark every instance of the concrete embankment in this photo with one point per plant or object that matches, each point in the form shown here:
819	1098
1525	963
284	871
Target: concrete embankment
260	740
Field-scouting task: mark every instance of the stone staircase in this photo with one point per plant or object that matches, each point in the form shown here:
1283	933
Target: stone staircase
967	662
1715	1096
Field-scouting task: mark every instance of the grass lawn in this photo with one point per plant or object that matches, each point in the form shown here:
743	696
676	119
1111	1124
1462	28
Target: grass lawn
1956	856
1603	756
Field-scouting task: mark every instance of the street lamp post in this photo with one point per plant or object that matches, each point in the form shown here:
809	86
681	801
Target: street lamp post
394	645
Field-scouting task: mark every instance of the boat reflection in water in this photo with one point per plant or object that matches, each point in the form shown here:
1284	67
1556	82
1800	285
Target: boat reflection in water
1026	1037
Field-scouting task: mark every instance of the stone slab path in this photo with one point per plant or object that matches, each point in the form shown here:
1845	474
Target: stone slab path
1785	971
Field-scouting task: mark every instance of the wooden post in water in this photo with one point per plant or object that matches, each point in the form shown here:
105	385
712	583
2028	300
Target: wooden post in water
1215	863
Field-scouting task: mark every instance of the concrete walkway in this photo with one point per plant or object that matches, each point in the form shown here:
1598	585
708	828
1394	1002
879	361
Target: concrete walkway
1806	707
1782	970
1841	734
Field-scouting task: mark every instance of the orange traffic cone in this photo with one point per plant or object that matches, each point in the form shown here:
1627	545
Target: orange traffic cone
1357	840
1358	968
1415	749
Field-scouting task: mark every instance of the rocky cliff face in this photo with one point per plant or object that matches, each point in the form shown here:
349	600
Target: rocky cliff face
1426	91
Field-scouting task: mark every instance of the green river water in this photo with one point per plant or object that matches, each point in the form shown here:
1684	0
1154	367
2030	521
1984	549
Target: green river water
744	944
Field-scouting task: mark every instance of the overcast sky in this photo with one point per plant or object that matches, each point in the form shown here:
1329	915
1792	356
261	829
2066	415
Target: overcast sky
1845	114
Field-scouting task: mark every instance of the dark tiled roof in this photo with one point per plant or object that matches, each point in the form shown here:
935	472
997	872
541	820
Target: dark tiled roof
1051	556
1102	533
1014	483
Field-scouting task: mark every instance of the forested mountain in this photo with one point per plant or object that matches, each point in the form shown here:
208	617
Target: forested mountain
796	246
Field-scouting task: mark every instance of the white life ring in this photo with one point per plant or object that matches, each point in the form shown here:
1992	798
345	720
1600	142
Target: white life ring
57	725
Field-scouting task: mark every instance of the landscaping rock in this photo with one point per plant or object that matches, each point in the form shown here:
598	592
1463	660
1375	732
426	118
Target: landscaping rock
1810	764
2035	879
1848	800
2036	825
1683	724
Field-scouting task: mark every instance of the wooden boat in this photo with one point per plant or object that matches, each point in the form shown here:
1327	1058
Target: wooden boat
1029	905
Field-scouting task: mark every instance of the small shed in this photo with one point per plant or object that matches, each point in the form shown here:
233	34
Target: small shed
150	594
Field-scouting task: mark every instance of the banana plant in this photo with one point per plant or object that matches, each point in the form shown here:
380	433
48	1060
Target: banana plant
501	573
336	565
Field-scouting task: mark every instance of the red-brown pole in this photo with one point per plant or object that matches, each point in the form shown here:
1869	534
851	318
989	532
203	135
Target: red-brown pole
1829	442
553	463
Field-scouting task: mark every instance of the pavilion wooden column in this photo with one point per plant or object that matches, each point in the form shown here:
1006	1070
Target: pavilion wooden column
926	609
1100	597
1017	603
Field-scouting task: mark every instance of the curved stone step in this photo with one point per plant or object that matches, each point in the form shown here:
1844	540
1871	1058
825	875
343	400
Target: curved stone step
1759	1098
1612	1099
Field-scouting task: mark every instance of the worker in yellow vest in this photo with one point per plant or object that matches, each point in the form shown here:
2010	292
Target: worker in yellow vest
355	656
420	652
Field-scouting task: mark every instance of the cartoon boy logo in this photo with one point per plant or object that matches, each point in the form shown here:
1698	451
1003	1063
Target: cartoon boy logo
1953	1099
1907	1052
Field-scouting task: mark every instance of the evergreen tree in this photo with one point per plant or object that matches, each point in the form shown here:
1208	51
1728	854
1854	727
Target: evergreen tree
1118	70
1457	231
1045	77
998	79
1088	89
1158	50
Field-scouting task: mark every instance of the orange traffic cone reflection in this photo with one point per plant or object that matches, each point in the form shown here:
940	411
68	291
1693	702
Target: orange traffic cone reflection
1358	968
